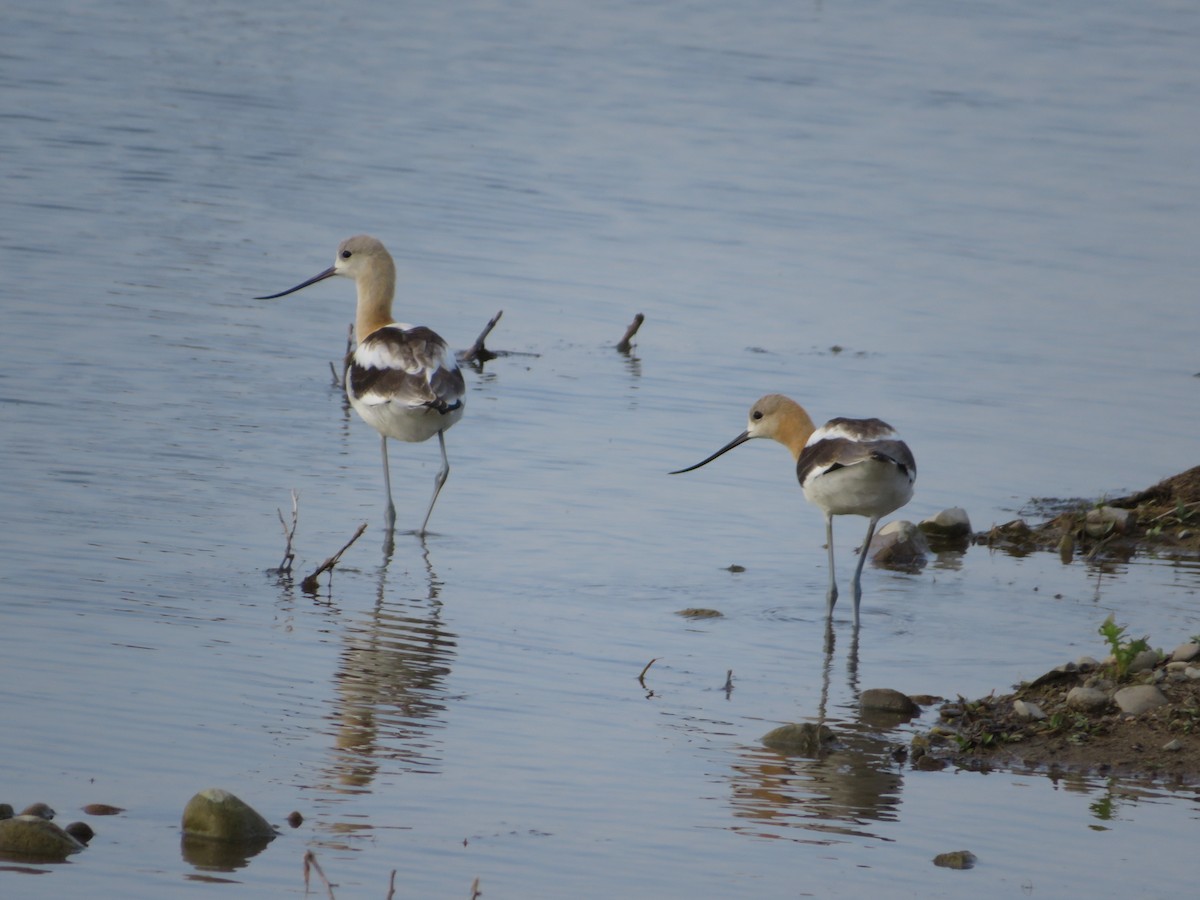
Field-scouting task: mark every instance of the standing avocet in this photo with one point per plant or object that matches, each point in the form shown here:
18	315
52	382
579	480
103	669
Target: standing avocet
401	379
847	467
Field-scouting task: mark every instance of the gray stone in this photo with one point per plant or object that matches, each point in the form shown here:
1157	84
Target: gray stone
35	839
887	700
1173	745
1087	699
1145	661
1138	698
218	815
898	543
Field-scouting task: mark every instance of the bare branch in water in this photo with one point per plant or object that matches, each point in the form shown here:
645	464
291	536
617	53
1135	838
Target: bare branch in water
476	892
478	352
310	862
289	555
310	584
642	677
624	344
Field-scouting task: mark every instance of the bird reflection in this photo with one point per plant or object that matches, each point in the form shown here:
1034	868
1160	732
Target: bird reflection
831	795
390	686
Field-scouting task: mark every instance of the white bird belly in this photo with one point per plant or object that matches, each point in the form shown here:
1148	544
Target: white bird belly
401	422
869	488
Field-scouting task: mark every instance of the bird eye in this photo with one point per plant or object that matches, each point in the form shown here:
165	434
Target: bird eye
346	254
757	414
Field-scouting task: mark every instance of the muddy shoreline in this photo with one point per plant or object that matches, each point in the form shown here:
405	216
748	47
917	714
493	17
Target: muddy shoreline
1063	733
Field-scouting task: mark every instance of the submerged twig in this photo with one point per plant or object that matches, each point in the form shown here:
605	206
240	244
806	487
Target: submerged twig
310	583
339	378
476	892
624	344
310	862
391	886
478	352
289	555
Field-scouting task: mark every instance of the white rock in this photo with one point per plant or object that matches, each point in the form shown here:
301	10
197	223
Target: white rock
1028	710
1108	520
1186	652
950	523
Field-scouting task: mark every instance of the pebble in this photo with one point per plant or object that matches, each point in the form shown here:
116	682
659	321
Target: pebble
955	859
1145	661
102	809
1087	699
1138	698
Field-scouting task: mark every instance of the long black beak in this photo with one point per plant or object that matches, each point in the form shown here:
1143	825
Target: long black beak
328	272
740	439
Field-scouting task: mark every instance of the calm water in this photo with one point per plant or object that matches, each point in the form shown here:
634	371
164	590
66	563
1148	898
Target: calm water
992	211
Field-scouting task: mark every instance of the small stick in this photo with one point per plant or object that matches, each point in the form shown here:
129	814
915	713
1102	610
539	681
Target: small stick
310	583
310	861
391	886
623	345
642	677
285	567
476	893
478	352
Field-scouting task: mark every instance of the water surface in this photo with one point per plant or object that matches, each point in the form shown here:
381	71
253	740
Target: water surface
978	224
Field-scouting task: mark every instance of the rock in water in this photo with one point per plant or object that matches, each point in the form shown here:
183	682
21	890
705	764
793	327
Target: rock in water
955	859
35	839
888	700
800	739
218	815
899	544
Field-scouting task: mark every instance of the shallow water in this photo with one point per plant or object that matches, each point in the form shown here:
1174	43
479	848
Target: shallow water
991	211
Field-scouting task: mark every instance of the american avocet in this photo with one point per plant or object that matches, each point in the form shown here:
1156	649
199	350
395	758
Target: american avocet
847	467
401	379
